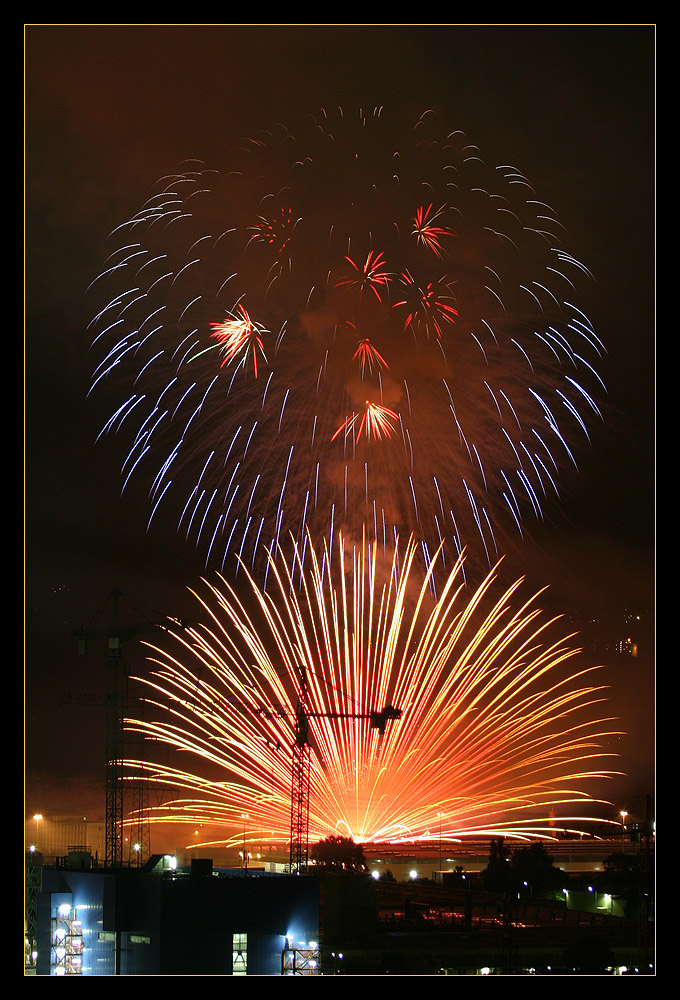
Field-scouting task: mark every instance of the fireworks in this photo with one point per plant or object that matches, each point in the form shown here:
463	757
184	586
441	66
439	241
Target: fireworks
496	732
238	337
352	326
356	329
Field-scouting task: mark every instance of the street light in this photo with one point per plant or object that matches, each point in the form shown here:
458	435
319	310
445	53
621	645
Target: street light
37	817
440	815
624	813
244	817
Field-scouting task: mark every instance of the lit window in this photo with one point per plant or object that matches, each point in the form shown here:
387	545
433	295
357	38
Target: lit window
239	948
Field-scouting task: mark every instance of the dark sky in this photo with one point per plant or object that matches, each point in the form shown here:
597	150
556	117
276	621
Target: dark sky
110	109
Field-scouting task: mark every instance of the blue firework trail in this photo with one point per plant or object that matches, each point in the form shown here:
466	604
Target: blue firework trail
352	326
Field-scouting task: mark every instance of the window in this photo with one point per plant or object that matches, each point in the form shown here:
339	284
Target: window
239	953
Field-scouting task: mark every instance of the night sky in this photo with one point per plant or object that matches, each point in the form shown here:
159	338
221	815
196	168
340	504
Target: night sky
109	110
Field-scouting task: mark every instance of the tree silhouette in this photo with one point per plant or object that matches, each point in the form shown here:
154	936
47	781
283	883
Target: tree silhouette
533	872
530	871
339	854
496	875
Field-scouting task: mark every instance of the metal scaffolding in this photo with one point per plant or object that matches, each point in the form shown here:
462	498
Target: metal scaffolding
117	675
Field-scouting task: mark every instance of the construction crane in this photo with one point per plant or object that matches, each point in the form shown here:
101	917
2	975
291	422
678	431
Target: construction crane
117	635
300	783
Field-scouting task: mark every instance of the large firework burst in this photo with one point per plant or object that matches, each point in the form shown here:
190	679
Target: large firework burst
498	732
353	326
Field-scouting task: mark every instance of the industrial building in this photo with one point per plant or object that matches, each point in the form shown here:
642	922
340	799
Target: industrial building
166	920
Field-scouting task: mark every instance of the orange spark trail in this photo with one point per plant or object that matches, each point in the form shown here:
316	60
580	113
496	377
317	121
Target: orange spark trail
498	731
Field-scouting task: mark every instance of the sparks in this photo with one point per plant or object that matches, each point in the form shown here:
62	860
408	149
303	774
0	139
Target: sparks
426	232
239	336
375	421
371	274
429	307
312	248
497	730
368	357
